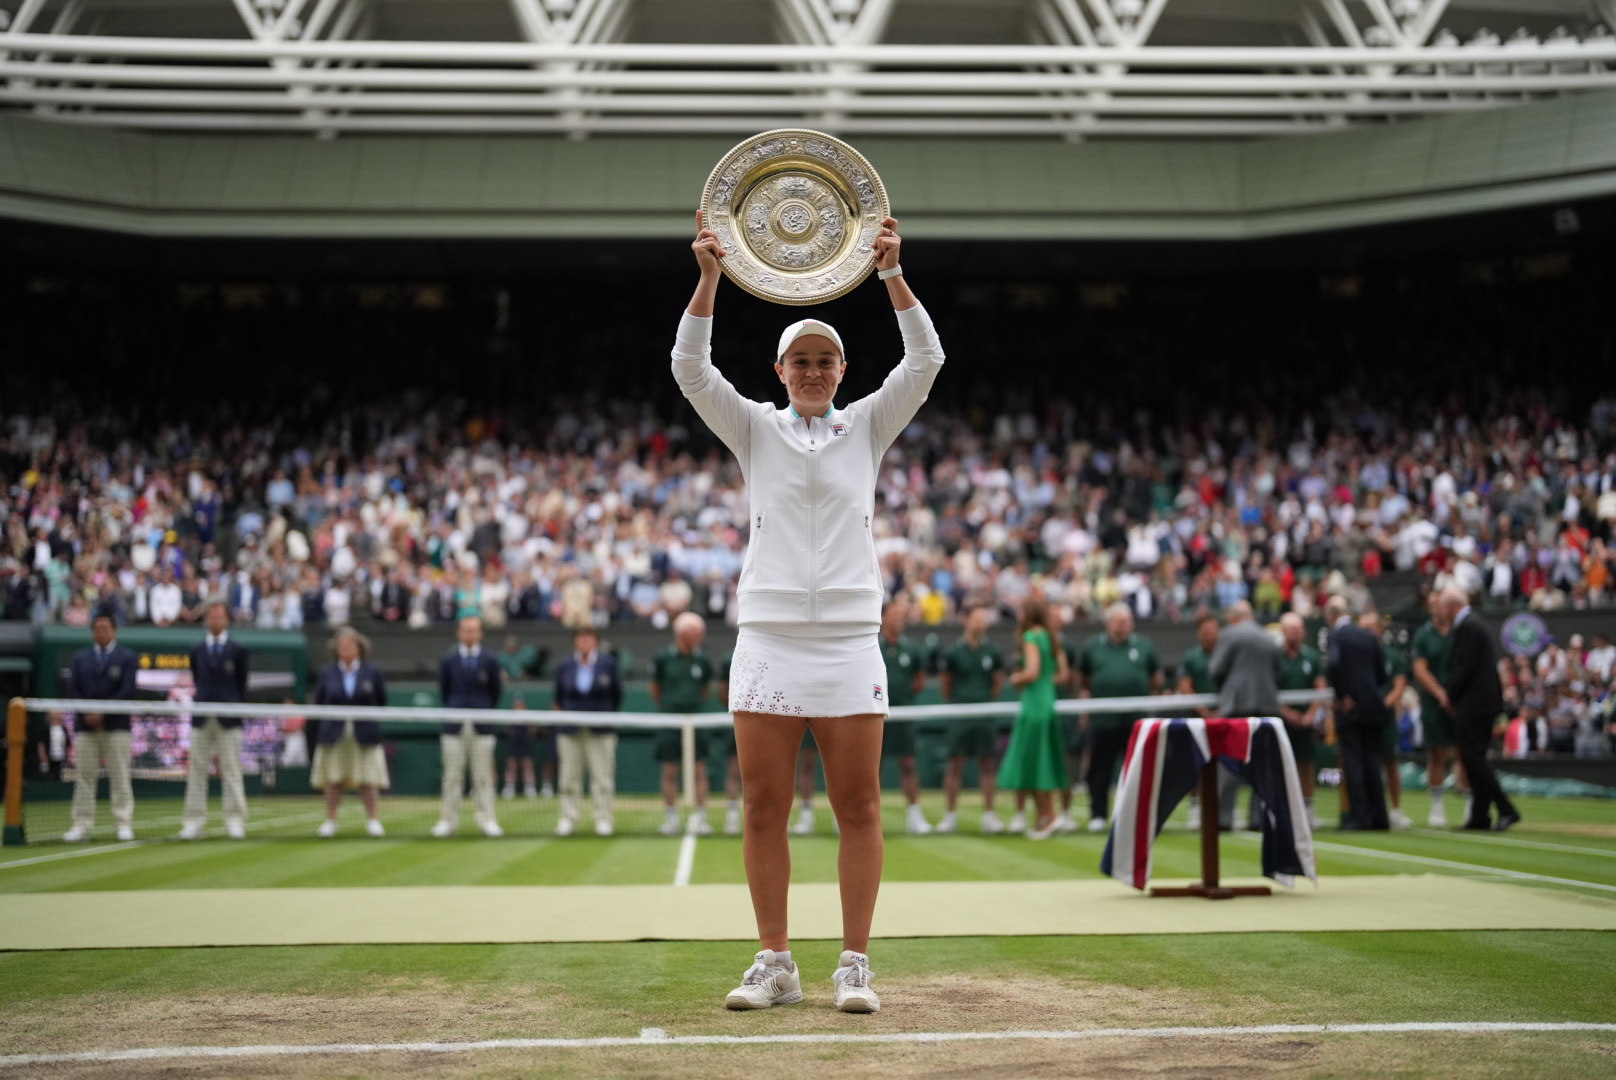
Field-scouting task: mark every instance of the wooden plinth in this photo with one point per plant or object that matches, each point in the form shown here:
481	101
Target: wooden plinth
1209	886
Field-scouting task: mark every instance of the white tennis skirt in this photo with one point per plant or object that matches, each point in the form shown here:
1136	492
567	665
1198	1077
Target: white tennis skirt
807	676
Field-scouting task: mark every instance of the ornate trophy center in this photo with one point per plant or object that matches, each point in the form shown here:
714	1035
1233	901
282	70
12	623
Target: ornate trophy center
795	218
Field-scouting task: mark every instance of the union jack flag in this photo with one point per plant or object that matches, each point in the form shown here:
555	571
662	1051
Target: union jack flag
1163	765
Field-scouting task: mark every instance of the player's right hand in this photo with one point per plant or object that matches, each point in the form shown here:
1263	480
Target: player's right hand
706	246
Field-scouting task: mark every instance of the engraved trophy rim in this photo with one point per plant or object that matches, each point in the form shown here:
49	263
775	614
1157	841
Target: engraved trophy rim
745	267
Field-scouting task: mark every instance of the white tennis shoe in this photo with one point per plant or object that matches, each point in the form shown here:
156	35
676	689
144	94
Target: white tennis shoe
767	983
443	828
805	822
732	821
699	825
234	829
374	828
1018	823
327	828
76	834
918	825
991	825
949	823
852	979
125	834
190	831
1098	824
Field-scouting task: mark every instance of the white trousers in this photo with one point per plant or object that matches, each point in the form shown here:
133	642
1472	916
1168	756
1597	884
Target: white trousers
599	752
95	749
209	738
460	751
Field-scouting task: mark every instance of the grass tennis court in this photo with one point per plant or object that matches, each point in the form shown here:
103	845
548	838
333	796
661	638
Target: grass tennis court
288	996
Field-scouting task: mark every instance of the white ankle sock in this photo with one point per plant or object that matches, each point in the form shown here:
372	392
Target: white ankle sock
783	957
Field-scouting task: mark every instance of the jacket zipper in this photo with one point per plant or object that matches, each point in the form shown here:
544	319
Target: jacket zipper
813	525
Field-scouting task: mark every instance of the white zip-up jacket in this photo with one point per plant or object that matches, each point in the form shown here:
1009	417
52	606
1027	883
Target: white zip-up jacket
810	567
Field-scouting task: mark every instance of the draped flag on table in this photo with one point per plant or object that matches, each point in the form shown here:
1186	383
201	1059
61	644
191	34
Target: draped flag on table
1163	765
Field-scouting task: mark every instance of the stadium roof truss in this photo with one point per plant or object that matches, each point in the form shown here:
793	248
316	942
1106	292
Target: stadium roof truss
1056	68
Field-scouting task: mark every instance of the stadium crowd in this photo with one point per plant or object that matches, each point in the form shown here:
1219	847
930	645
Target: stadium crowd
440	517
1179	451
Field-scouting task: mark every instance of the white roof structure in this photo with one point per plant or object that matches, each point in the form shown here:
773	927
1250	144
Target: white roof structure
1062	69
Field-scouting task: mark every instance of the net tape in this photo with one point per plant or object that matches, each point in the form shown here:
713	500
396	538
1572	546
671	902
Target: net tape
547	717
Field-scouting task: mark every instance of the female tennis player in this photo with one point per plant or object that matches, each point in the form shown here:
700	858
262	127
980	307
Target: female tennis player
810	598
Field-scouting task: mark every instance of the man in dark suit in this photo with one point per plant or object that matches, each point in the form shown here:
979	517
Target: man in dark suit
1475	700
106	672
219	673
587	681
392	600
1357	671
469	678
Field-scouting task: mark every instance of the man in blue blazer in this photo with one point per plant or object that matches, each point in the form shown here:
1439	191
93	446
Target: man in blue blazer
219	672
587	681
106	672
469	677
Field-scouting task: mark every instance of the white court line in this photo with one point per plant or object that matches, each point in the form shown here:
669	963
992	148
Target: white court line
687	859
1397	856
657	1037
1509	841
216	831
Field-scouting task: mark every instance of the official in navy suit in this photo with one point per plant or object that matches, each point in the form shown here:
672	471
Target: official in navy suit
1357	672
105	672
587	681
469	678
219	671
350	751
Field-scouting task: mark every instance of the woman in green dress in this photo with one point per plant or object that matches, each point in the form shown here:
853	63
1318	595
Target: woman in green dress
1035	760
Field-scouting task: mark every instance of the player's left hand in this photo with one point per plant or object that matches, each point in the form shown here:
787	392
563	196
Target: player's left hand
886	244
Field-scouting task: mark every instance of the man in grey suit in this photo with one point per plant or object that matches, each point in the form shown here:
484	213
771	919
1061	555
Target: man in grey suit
1246	667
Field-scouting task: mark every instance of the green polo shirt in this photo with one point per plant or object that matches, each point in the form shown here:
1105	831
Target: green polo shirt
973	670
1198	666
904	661
1397	663
1301	671
1433	648
682	680
1116	670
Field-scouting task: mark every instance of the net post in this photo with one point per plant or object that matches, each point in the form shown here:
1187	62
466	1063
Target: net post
687	763
16	749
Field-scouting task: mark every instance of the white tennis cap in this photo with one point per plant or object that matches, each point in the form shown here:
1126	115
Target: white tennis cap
803	329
